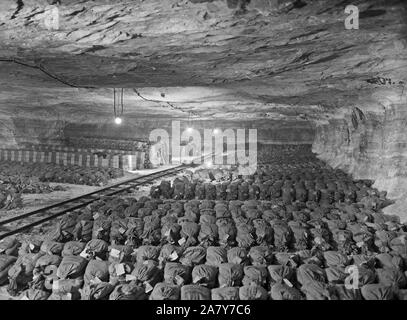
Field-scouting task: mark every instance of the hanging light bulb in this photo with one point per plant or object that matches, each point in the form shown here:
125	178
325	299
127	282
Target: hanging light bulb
189	128
118	115
216	131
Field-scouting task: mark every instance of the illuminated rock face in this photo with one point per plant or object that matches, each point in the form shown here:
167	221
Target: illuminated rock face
370	144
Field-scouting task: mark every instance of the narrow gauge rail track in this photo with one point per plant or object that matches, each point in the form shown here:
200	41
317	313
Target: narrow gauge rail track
58	209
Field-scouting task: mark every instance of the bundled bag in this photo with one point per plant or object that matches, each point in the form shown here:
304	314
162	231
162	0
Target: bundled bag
83	231
134	232
336	275
316	290
254	275
225	293
36	294
71	267
282	235
393	277
97	291
215	256
96	269
279	273
166	189
43	263
238	256
101	228
208	234
118	272
282	291
169	253
230	275
147	274
64	230
195	292
177	274
300	233
52	247
200	191
260	256
179	188
118	231
307	273
120	253
252	292
342	293
165	291
210	191
148	252
226	231
193	256
128	291
377	291
21	273
189	234
389	260
73	248
170	232
336	259
205	275
96	248
263	232
69	287
9	246
245	235
6	262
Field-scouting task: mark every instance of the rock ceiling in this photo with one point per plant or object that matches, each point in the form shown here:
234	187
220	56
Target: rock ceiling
210	59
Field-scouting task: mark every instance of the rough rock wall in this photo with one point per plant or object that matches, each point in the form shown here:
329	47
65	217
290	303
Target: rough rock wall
370	143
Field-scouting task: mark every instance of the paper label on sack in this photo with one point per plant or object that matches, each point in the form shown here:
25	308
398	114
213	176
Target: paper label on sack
181	241
258	294
130	277
84	254
360	244
2	250
32	247
96	216
120	269
68	296
237	260
226	237
100	229
179	280
122	230
173	256
96	280
196	279
318	240
115	253
55	285
145	262
134	252
24	297
167	233
148	287
288	283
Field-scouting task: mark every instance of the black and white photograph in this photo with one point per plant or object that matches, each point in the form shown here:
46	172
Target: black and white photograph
234	152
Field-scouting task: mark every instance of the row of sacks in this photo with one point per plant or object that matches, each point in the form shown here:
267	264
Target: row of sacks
288	190
346	227
157	273
47	172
